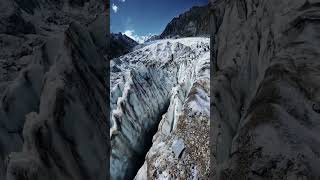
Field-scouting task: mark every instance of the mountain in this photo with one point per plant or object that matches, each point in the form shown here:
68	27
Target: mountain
192	23
120	44
53	90
264	97
160	104
152	38
160	107
265	90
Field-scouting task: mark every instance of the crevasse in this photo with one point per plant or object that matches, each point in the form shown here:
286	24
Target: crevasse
145	85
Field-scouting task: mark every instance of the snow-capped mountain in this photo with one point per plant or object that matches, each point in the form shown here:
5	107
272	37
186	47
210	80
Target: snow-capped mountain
152	38
123	37
162	89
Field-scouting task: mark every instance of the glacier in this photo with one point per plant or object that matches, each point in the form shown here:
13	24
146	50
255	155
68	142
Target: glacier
160	99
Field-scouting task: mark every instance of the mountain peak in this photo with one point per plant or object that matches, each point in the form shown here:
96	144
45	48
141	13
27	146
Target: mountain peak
121	44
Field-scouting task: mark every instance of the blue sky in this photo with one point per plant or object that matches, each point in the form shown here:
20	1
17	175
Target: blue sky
140	18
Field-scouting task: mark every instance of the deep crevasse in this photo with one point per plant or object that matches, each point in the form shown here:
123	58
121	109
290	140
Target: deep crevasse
165	80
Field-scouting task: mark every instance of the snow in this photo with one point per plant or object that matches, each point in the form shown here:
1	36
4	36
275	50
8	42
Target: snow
142	173
201	104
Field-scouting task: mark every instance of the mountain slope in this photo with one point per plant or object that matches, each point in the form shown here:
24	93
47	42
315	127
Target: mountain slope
166	82
120	44
192	23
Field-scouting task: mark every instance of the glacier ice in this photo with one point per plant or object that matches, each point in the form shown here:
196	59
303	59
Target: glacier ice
150	89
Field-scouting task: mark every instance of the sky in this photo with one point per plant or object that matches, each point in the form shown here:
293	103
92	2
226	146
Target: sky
140	19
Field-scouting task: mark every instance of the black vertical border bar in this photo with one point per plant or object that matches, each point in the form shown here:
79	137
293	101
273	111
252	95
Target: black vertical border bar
107	66
213	71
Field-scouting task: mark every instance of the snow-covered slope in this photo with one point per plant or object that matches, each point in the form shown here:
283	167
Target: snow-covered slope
162	88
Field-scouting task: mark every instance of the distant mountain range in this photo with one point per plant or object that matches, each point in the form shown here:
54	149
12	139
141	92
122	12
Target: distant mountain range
192	23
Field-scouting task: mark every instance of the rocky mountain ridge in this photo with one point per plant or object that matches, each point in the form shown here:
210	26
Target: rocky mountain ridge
120	44
192	23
